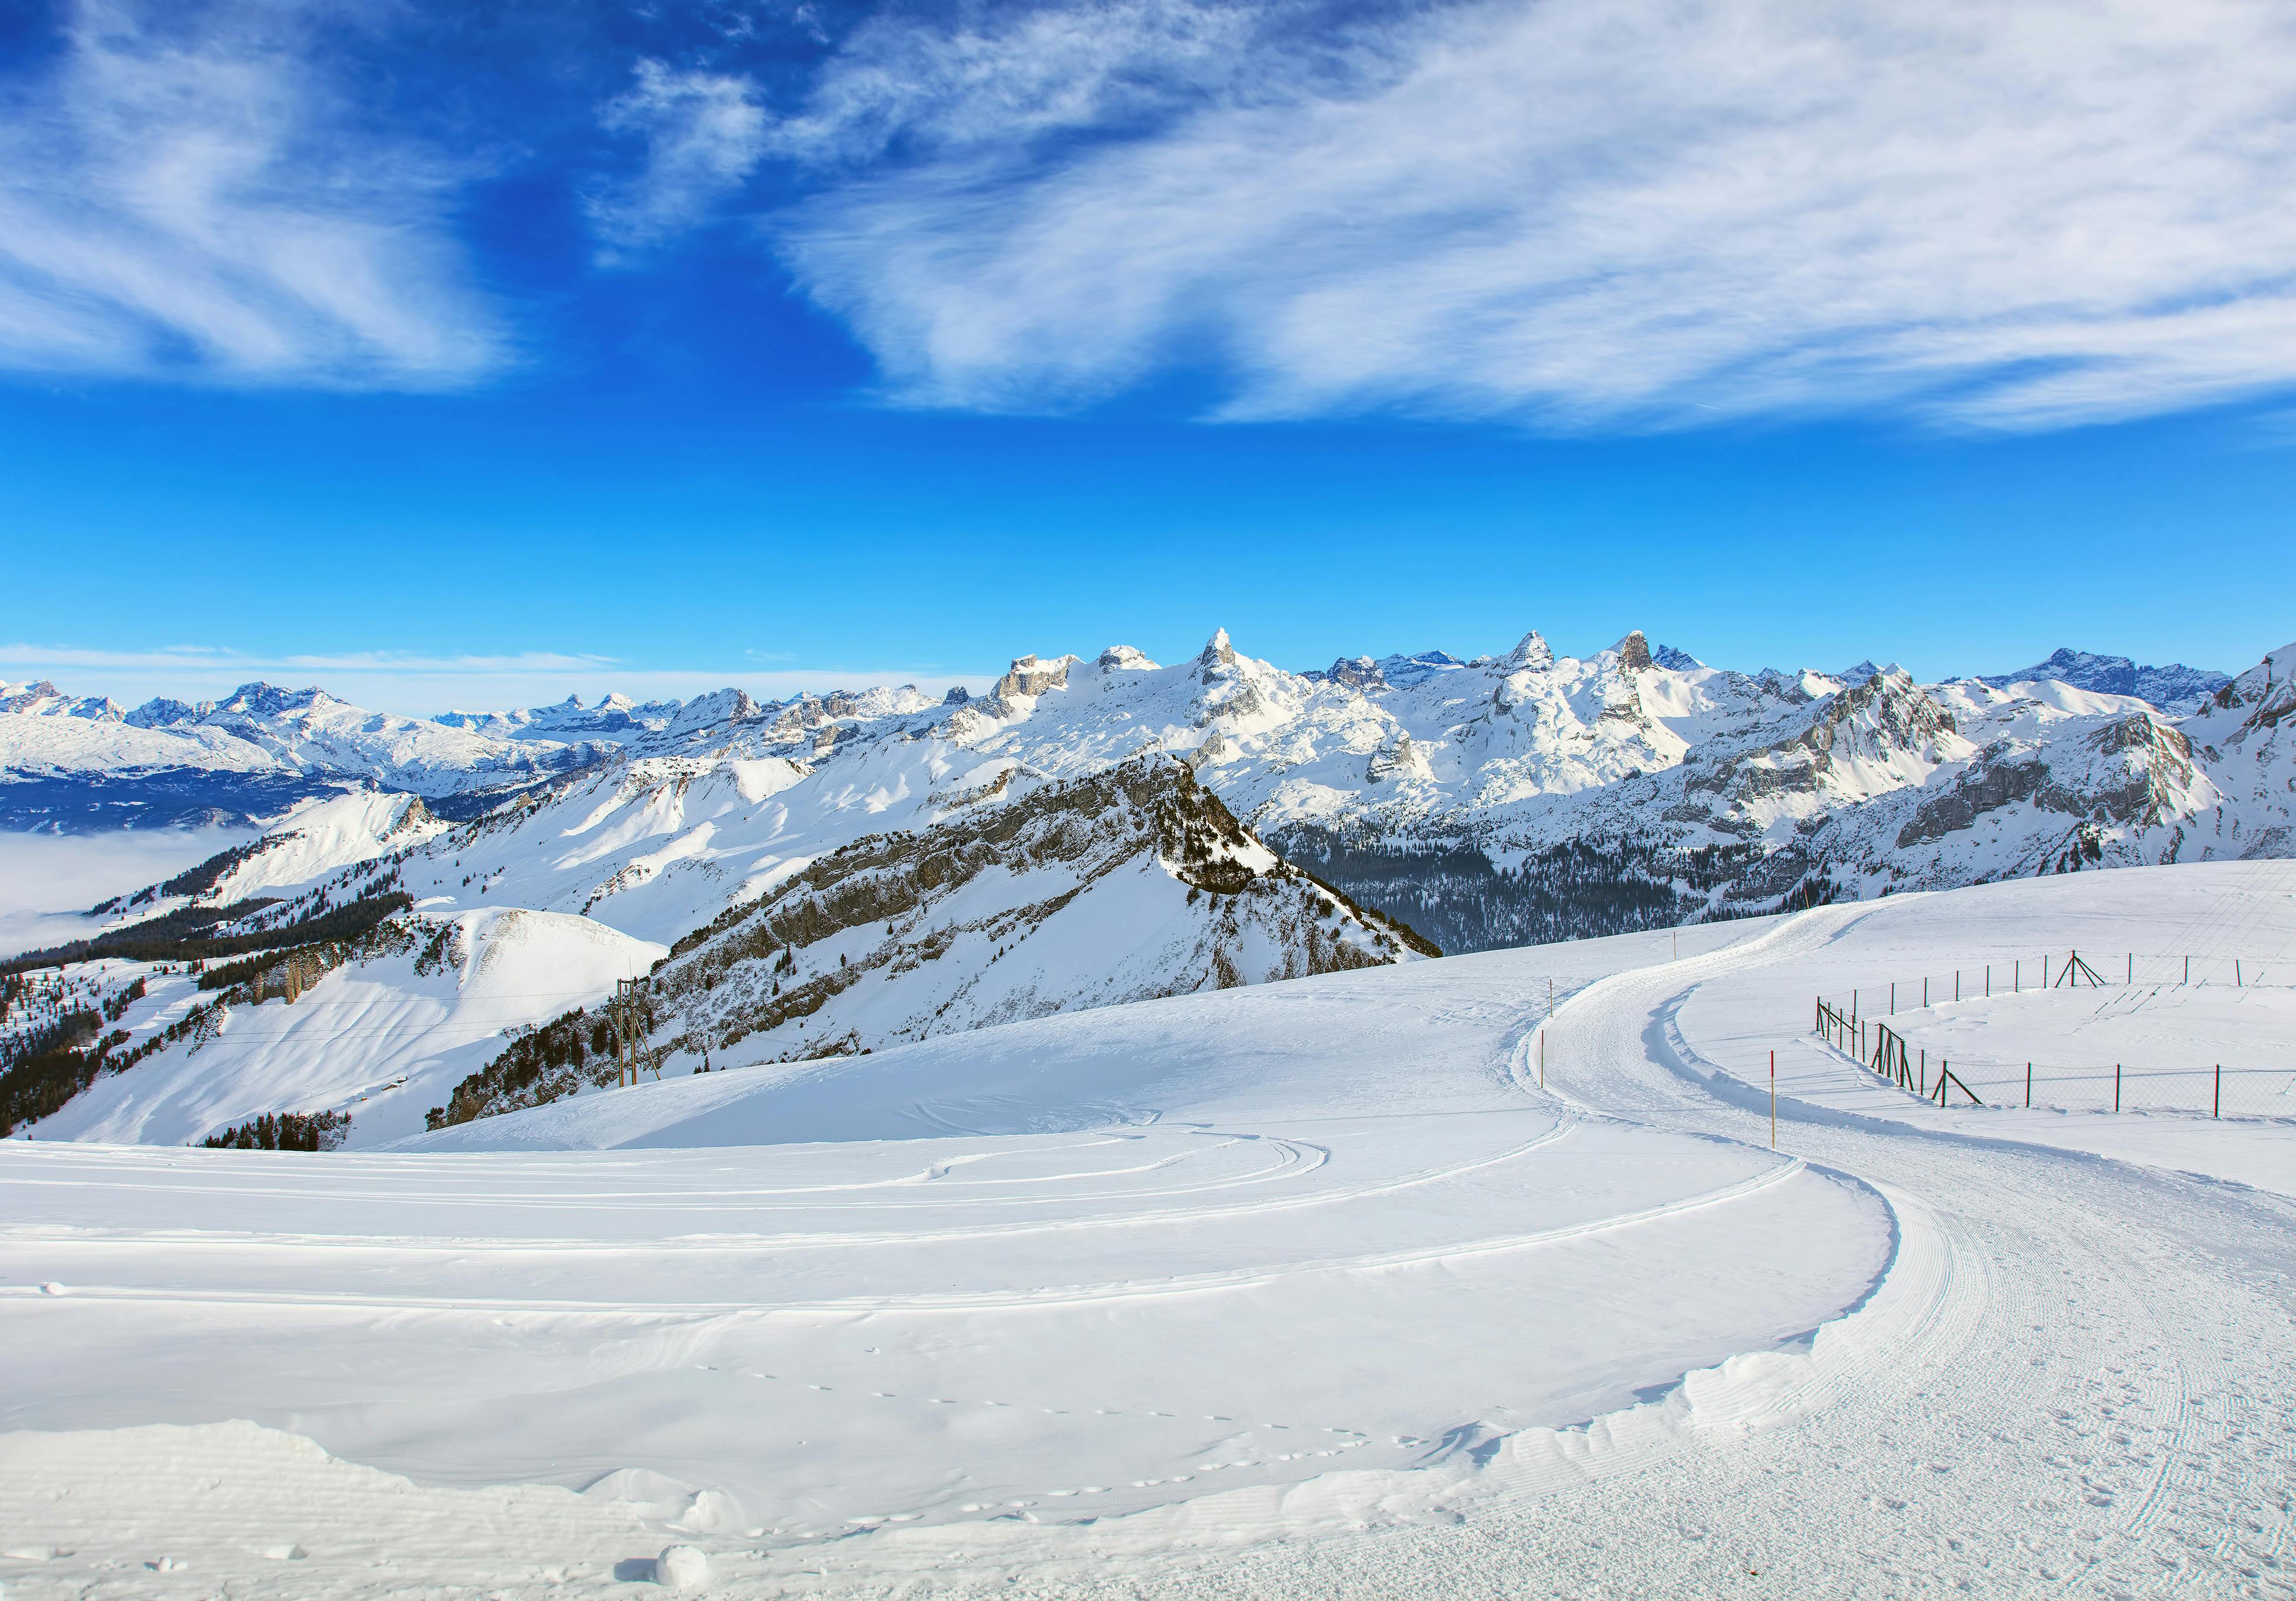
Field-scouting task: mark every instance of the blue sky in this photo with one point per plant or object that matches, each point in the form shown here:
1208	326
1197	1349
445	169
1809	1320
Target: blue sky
477	354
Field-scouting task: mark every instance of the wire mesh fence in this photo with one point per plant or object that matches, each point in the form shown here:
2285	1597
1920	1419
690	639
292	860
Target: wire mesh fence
2068	970
2203	1089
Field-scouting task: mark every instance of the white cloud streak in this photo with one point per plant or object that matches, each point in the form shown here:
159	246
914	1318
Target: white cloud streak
196	205
703	132
414	684
1588	213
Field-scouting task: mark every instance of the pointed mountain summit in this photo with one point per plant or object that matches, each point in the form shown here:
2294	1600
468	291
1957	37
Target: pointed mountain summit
1532	654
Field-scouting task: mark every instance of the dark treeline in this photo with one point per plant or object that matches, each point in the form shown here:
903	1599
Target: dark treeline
1580	889
284	1132
42	1069
563	1045
186	935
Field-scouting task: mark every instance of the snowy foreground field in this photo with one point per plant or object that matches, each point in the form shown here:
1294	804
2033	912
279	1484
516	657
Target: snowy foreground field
1378	1284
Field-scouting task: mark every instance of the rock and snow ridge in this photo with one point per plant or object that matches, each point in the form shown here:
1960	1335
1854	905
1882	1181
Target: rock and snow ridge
1514	797
2172	687
1722	790
1054	895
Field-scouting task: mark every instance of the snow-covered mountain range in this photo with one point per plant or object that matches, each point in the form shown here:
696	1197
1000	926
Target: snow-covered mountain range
837	873
2172	687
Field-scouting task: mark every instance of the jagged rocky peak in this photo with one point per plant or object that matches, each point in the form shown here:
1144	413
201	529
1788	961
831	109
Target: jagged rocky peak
1029	676
23	697
719	707
262	700
1124	659
957	695
161	712
1674	660
1531	654
1633	652
45	699
2265	693
1356	673
1217	652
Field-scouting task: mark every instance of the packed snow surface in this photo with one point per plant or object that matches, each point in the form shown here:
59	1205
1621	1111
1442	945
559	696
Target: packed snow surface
1376	1283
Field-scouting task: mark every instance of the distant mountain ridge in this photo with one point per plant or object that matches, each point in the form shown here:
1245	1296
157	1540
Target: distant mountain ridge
835	872
2169	686
1378	769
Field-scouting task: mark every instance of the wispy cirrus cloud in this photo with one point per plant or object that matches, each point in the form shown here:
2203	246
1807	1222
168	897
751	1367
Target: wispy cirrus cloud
702	132
184	192
414	683
1569	212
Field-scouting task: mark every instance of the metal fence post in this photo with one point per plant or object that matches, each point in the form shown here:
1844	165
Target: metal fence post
2116	1086
2029	1086
2215	1107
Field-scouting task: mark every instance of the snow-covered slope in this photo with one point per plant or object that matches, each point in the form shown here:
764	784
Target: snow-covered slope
315	840
805	926
1050	896
1398	1281
383	1037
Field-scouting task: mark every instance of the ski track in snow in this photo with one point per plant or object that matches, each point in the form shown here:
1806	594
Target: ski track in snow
1353	1323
